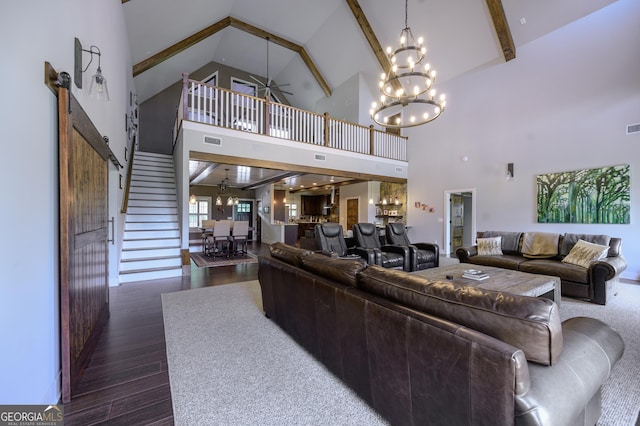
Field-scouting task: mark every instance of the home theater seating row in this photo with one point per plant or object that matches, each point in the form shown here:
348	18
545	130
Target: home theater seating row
431	352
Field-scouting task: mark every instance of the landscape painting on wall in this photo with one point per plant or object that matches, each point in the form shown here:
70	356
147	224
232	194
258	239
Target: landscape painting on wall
585	196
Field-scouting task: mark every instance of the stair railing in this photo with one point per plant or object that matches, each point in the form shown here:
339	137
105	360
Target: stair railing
125	201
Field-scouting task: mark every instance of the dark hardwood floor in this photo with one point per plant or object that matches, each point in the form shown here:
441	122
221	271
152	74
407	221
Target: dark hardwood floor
127	380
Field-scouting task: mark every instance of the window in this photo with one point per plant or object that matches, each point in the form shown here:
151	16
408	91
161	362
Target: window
291	210
199	211
211	80
244	87
243	207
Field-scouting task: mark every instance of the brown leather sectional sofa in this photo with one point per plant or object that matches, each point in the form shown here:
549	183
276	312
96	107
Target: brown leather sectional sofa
428	352
595	284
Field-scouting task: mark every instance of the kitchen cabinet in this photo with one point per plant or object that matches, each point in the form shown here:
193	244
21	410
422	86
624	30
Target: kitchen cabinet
313	205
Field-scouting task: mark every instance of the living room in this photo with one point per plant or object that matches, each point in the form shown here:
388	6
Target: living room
563	104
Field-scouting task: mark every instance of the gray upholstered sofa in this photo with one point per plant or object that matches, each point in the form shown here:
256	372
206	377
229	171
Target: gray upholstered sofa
595	283
438	353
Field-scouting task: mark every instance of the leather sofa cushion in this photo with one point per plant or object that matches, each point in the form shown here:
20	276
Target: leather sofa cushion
341	270
528	323
289	254
614	247
566	271
506	261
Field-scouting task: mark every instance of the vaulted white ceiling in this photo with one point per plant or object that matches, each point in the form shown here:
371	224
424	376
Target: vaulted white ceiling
459	34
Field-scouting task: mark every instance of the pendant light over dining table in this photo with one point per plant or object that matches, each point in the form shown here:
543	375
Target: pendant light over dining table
223	186
408	97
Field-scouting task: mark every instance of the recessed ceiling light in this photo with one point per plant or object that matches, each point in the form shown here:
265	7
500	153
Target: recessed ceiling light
523	21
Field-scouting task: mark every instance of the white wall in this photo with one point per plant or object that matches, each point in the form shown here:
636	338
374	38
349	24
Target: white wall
343	102
30	34
563	104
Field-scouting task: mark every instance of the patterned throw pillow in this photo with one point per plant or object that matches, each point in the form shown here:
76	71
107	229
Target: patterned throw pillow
490	246
583	253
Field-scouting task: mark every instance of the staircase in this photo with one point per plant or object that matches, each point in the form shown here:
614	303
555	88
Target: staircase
151	244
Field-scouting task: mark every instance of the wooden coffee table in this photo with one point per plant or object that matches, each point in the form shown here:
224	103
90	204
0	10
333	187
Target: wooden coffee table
499	279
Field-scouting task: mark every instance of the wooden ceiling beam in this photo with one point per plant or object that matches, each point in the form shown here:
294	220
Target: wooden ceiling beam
371	37
186	43
495	9
369	34
274	165
502	29
258	32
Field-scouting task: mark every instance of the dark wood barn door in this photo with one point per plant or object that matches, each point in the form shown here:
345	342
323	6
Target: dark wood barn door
84	288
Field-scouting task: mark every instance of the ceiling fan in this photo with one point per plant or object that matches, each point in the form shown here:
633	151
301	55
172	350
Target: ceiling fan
265	88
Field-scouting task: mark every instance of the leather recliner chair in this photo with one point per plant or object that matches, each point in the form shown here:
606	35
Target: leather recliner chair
331	242
423	255
387	256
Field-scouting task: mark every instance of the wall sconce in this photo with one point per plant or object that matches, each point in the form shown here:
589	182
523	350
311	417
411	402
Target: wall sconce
98	88
509	171
192	199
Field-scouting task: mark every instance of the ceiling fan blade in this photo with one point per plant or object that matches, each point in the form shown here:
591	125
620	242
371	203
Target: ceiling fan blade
279	85
286	93
256	79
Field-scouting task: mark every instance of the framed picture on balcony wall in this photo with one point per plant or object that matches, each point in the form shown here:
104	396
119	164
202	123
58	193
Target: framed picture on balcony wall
599	195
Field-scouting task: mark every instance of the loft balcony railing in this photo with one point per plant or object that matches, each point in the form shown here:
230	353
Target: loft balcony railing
221	107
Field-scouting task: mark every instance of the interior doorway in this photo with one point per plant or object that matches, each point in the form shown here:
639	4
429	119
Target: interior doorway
353	214
460	219
244	211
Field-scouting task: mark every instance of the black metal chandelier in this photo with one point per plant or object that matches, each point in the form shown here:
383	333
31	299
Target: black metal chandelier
407	95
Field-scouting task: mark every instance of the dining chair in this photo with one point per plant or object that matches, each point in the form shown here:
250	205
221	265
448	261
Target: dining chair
219	240
207	230
238	238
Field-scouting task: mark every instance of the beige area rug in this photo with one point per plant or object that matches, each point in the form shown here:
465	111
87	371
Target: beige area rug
203	261
230	365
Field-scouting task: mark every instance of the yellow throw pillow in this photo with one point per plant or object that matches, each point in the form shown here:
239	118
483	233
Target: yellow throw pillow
490	246
583	253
